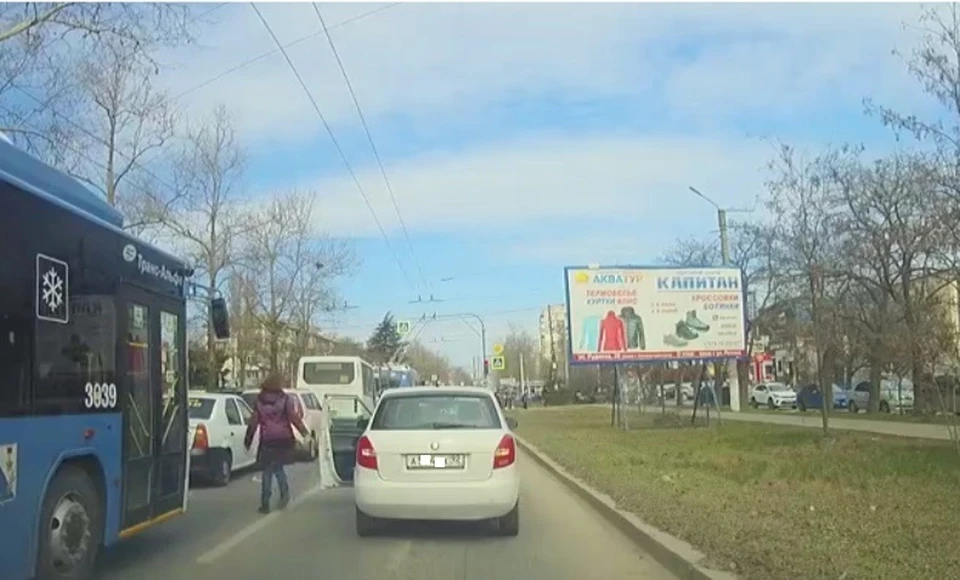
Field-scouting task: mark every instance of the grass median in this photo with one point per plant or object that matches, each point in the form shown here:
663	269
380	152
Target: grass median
771	502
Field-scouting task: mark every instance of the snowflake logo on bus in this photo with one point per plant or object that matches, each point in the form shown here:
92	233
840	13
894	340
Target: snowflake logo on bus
52	290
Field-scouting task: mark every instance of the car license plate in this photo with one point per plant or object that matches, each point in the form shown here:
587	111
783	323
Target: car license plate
435	461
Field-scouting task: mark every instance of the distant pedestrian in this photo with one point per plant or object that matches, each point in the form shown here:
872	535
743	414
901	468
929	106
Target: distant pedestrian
275	416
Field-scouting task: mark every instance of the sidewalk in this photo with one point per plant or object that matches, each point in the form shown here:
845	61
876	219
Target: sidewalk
812	420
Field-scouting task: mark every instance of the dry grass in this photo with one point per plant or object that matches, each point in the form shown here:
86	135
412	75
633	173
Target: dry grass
768	501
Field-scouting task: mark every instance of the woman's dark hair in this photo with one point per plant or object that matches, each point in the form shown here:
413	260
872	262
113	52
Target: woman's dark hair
274	382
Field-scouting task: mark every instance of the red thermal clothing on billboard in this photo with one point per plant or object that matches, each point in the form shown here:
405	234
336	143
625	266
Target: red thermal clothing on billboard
613	335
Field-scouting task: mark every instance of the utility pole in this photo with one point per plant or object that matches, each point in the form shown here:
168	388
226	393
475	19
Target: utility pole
733	374
522	378
553	352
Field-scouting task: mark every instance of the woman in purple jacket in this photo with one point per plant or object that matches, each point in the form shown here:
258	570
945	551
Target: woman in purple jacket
275	415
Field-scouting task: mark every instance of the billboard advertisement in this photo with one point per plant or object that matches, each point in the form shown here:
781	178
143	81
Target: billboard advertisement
639	314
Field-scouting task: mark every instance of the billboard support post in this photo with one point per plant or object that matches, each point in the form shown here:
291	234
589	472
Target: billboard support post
613	399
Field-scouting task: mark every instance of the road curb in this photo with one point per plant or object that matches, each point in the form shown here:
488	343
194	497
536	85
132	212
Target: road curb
677	556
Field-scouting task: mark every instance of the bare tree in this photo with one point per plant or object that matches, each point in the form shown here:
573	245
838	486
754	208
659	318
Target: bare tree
519	343
892	232
343	346
802	193
246	338
692	252
314	290
935	64
293	267
205	219
47	49
131	120
133	23
429	362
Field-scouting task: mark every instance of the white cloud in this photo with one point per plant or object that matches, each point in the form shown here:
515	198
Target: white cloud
618	178
623	246
429	61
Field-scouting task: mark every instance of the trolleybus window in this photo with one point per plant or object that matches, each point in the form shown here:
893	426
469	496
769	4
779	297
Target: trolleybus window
172	373
14	365
329	373
75	361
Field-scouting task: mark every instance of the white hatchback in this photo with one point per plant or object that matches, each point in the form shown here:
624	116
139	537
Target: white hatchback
437	453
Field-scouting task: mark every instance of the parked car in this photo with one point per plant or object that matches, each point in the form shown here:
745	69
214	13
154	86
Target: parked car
894	394
774	395
218	423
810	397
309	409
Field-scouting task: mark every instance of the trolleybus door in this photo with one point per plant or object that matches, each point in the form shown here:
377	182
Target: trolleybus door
152	388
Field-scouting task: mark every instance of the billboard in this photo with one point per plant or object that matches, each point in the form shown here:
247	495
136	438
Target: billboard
647	314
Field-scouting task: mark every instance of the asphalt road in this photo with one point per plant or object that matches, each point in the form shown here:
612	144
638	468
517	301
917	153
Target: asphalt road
213	515
561	538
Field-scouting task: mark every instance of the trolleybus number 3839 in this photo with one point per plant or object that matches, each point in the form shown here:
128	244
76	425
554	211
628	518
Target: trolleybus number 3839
100	395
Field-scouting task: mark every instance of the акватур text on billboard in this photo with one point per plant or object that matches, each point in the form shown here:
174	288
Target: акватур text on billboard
639	314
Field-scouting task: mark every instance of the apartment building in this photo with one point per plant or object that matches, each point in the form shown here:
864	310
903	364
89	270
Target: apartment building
248	350
553	339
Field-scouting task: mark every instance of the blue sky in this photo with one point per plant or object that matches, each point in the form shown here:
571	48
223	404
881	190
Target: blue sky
519	138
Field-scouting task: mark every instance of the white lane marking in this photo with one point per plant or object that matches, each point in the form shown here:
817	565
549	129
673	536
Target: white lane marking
233	541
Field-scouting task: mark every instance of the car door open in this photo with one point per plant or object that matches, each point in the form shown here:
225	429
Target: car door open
345	418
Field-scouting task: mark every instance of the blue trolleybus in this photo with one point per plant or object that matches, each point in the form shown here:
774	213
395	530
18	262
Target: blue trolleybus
92	375
393	376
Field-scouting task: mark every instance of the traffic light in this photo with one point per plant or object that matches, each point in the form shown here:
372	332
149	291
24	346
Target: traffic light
486	367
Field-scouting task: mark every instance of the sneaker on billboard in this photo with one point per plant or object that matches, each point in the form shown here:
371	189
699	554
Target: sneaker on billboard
685	332
695	323
674	340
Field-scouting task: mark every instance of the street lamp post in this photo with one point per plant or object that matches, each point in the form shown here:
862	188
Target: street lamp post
461	315
483	340
732	371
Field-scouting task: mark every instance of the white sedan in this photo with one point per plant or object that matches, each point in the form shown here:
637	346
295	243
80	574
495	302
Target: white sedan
437	453
774	395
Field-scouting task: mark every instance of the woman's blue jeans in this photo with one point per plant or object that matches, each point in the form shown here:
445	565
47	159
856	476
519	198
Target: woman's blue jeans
266	484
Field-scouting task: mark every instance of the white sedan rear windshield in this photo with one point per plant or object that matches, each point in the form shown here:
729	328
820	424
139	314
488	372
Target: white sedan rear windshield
201	407
436	412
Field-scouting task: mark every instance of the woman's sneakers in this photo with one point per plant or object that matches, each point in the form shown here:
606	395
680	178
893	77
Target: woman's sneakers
264	509
284	502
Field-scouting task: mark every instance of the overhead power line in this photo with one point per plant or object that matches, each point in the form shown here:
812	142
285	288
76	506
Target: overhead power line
260	57
336	144
486	314
373	146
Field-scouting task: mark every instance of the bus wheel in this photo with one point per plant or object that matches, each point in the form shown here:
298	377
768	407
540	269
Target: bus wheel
71	527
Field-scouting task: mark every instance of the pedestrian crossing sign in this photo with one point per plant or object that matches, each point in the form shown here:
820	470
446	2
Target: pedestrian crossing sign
498	363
